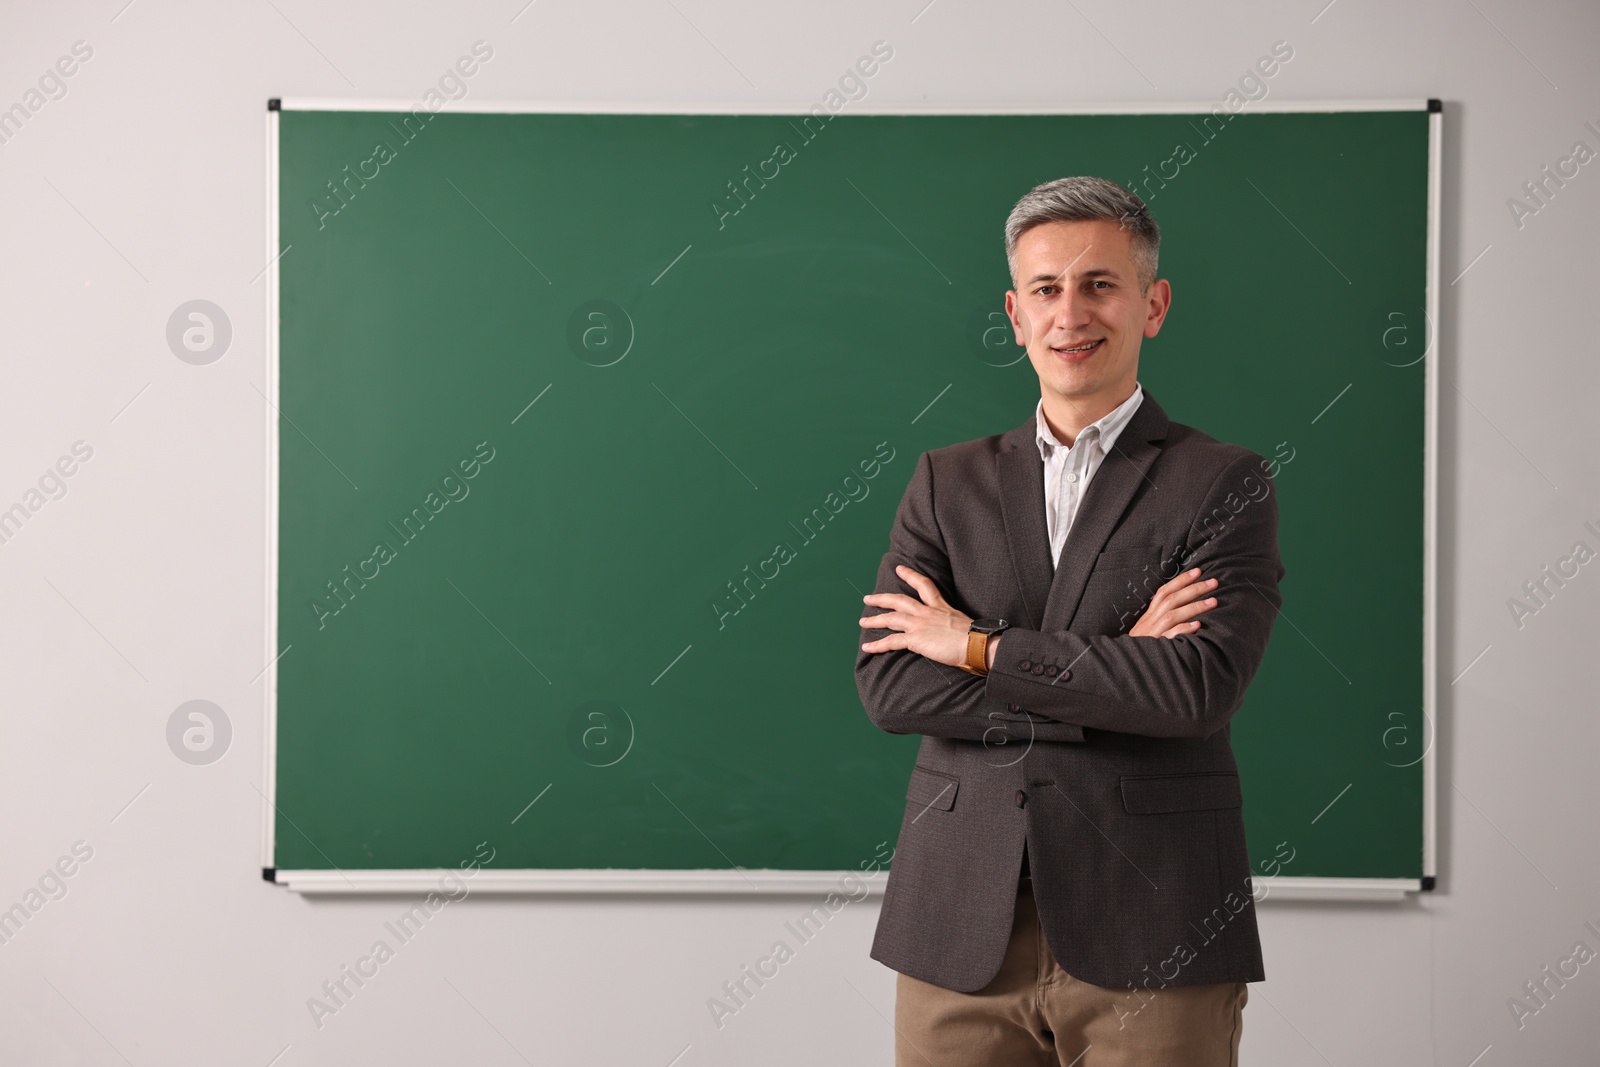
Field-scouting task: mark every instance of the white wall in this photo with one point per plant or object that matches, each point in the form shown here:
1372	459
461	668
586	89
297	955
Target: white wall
142	588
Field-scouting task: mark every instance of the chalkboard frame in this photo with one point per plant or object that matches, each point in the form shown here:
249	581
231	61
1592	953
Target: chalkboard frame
763	882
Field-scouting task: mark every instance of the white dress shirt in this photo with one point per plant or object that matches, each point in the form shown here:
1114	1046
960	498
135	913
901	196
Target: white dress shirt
1067	471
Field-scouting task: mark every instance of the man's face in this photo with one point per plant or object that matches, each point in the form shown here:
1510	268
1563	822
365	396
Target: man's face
1076	287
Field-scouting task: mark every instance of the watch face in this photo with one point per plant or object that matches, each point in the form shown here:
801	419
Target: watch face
989	626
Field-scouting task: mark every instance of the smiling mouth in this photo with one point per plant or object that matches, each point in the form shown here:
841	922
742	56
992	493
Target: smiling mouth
1076	353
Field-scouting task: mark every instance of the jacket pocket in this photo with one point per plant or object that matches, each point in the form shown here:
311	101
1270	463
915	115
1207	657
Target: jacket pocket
932	789
1123	556
1157	793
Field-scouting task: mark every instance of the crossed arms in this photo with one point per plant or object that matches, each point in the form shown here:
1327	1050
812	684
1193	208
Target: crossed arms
1167	677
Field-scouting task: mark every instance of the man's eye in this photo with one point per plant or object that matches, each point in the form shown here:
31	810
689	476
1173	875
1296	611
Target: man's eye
1042	288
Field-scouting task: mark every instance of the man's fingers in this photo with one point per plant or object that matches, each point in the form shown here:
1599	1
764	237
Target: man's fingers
1182	589
1190	592
921	583
885	644
1180	619
1180	581
1185	612
1176	603
893	601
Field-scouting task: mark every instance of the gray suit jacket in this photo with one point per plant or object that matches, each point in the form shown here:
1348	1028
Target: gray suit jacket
1107	754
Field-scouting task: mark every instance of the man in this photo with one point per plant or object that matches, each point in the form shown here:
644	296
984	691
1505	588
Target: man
1070	613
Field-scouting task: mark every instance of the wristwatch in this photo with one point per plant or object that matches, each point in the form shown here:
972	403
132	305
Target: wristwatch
978	644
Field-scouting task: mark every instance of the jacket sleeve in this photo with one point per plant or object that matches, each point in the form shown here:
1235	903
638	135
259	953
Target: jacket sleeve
1187	686
903	691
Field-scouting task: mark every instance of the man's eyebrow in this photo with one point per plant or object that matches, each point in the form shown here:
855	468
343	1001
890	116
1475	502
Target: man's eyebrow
1095	272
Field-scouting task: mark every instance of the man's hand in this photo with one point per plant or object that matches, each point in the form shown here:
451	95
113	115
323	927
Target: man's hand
931	628
934	629
1173	609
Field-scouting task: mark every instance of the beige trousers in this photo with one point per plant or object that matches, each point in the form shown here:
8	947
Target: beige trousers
1035	1013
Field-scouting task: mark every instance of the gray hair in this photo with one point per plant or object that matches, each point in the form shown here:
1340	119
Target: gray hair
1086	199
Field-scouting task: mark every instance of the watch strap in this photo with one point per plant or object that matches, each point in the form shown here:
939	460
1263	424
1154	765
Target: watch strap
977	653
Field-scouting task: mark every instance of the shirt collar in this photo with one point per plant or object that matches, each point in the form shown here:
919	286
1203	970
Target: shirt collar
1109	425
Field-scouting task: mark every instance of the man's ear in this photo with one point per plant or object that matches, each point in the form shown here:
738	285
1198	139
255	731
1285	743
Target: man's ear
1160	302
1017	329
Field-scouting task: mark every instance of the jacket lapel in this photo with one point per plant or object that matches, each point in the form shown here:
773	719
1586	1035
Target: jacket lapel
1050	594
1021	474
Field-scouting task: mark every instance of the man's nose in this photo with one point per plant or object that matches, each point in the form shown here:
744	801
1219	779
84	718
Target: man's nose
1072	311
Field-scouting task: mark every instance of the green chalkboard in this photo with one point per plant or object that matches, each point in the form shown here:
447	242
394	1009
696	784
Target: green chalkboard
592	428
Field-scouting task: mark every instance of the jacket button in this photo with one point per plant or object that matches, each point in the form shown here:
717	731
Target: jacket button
1051	670
1066	675
1011	707
1021	798
1038	668
1023	665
